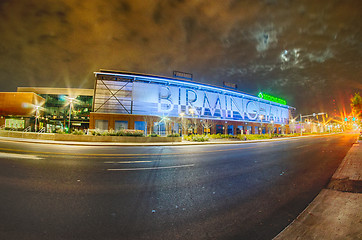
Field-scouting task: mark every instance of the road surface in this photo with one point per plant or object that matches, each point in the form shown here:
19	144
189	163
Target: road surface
230	191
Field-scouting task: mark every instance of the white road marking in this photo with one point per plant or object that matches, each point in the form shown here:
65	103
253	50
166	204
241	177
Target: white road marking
150	168
129	162
303	146
21	156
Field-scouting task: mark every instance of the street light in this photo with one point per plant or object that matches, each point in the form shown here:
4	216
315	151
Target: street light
182	114
192	111
36	117
165	120
292	126
261	123
71	99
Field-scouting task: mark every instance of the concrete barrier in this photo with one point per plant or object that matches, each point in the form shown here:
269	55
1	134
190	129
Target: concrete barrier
86	138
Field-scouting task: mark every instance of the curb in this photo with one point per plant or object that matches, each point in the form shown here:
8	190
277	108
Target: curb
334	211
10	139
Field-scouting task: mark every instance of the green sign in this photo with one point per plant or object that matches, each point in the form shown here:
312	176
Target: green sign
272	98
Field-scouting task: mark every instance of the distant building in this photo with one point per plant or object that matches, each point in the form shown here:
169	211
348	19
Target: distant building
55	112
166	105
18	109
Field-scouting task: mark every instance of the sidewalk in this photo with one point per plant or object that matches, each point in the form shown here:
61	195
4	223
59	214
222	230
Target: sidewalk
336	213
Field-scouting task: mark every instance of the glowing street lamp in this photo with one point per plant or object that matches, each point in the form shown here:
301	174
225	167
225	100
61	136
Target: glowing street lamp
261	123
70	110
192	111
182	114
36	117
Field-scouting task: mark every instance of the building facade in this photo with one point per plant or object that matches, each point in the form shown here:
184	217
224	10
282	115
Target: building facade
18	110
55	111
163	105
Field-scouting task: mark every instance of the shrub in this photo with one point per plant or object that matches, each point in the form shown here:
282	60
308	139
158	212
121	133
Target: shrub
188	137
197	138
77	132
130	132
112	133
274	135
221	136
173	135
122	132
105	133
253	136
60	131
96	132
215	136
153	135
291	135
200	138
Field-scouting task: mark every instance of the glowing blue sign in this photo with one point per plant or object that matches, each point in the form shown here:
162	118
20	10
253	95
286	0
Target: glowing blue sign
150	99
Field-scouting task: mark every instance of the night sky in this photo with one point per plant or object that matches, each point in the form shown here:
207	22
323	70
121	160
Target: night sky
307	52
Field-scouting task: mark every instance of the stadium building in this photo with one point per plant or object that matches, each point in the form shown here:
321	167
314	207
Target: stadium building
164	105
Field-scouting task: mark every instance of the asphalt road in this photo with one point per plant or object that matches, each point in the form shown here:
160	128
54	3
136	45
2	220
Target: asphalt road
231	191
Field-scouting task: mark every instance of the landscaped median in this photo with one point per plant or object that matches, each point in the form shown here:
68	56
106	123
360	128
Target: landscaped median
228	137
93	136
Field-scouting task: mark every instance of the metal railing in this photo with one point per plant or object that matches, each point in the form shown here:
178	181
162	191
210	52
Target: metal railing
28	129
42	130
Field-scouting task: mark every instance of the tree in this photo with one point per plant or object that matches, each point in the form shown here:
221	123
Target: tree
149	123
184	122
356	105
207	124
194	125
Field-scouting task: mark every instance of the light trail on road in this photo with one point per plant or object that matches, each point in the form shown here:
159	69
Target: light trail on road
149	168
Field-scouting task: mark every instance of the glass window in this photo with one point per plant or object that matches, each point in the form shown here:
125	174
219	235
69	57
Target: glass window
118	125
140	125
240	130
264	130
102	124
231	129
159	128
248	130
219	129
176	128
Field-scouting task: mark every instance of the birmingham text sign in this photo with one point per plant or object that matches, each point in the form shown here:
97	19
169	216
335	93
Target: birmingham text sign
156	99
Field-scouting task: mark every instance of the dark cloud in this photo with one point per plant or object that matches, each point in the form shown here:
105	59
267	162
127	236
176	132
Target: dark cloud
308	52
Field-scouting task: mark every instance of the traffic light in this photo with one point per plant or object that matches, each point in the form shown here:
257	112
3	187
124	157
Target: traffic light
354	119
345	119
